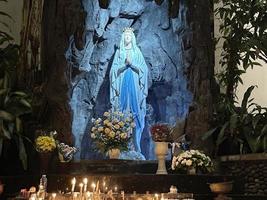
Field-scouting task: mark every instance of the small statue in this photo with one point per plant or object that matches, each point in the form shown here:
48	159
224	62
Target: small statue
66	152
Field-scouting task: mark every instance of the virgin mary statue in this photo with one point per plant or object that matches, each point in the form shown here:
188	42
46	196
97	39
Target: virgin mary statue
128	83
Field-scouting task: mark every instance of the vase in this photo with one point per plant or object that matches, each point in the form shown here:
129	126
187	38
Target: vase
44	160
161	150
114	153
192	171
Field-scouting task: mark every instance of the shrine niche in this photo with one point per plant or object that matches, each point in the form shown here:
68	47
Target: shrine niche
79	41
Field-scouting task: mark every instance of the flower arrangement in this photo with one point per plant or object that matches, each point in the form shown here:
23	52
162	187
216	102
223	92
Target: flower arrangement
161	133
192	159
45	143
112	131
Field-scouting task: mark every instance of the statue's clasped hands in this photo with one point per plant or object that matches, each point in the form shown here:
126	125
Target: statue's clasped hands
127	61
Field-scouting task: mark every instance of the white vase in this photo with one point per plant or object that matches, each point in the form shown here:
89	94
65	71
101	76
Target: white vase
161	150
114	153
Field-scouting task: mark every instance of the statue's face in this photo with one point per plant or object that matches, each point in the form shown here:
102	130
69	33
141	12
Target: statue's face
127	38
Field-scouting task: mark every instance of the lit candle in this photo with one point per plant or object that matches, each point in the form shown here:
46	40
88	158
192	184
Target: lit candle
73	183
54	195
122	195
88	194
115	189
85	181
81	188
93	186
104	185
157	196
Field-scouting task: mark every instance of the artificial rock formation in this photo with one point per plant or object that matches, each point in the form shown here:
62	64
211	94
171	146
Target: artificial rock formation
80	39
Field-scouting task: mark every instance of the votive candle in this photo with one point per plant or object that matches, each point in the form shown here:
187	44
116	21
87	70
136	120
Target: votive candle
85	181
73	183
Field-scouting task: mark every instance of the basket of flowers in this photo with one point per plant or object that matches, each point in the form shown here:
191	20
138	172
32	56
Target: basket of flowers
192	161
112	133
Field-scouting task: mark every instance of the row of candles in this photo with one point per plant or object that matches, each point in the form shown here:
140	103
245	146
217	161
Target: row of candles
84	186
87	195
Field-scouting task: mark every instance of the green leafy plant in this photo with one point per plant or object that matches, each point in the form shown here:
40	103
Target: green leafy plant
244	38
13	103
243	29
244	126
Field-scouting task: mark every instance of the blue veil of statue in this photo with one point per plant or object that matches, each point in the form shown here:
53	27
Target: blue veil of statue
128	90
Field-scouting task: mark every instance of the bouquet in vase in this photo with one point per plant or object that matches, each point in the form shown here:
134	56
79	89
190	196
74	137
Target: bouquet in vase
112	131
192	159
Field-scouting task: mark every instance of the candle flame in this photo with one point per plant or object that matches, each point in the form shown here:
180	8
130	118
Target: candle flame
73	181
54	195
85	181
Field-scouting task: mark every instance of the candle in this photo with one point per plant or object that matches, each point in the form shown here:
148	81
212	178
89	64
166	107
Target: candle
115	189
88	194
73	183
157	196
122	195
54	195
81	188
93	186
85	181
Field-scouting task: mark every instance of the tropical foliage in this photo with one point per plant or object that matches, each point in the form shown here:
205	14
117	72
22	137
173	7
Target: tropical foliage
243	29
244	38
13	103
244	127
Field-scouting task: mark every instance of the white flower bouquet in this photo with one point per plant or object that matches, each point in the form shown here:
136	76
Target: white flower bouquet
112	131
192	159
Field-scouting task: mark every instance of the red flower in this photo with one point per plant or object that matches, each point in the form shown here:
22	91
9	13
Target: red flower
161	133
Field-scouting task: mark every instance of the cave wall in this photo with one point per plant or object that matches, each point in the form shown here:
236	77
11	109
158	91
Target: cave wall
80	39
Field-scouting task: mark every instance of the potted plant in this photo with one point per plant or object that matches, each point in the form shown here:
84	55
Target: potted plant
191	161
161	135
244	127
14	104
244	38
112	133
45	144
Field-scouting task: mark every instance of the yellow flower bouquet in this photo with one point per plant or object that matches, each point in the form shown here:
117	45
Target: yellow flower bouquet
114	130
45	143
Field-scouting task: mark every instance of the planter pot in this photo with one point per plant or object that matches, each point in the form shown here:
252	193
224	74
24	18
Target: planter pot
44	160
114	153
161	150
